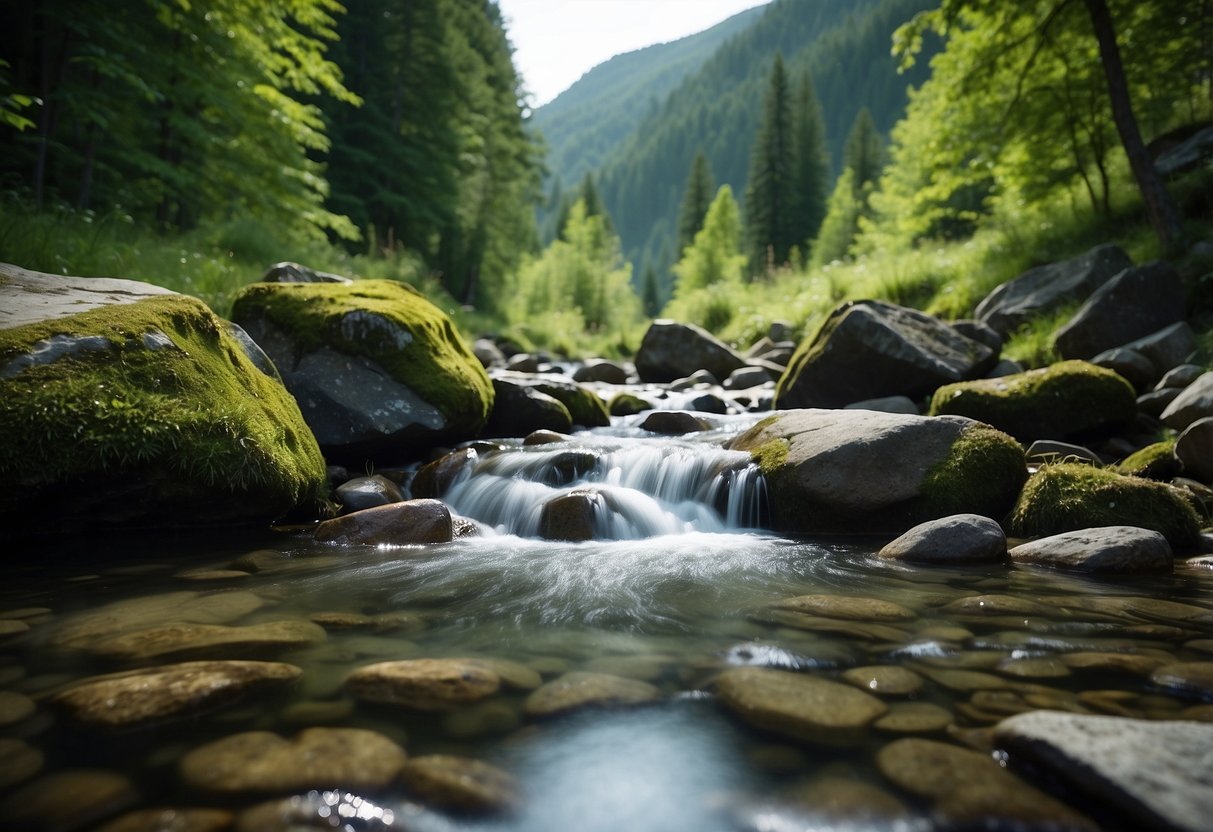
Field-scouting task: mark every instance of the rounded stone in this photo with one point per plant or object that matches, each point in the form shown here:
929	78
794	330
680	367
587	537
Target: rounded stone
186	607
189	641
847	608
316	811
961	538
1195	450
460	784
411	523
342	620
1186	677
367	492
1112	662
1122	550
262	762
889	680
424	684
914	718
171	820
140	698
580	689
673	423
797	705
10	628
19	761
15	707
67	800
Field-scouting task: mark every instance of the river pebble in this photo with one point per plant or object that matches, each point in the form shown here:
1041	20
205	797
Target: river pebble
189	641
140	698
580	689
1115	550
1187	677
67	800
797	705
19	761
914	718
460	784
1115	662
961	538
424	684
259	762
171	820
316	811
84	629
846	800
970	790
14	707
887	680
847	607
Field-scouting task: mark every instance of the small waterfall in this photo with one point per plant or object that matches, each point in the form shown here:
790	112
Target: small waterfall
637	487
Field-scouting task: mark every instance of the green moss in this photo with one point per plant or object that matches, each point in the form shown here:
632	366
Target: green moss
435	362
771	454
1064	497
808	350
982	474
1068	399
584	405
193	432
1154	462
626	404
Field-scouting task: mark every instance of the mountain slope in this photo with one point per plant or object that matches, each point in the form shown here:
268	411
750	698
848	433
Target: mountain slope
585	122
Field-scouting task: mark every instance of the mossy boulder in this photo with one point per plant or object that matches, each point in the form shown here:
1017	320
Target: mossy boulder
123	404
1154	462
1065	497
1071	399
859	471
379	372
586	407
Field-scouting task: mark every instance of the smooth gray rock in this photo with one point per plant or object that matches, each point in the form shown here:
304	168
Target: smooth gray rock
888	404
746	377
1121	550
1005	367
522	363
704	377
600	369
45	297
1131	365
1195	402
1156	402
519	410
1168	347
488	353
872	349
673	422
1180	376
288	272
367	492
1048	450
673	350
1195	450
1047	287
961	538
585	407
979	331
1135	303
1160	773
570	516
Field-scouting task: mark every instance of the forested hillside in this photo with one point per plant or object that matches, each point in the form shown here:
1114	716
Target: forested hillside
586	122
843	45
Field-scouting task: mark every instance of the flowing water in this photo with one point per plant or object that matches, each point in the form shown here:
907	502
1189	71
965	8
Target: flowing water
677	587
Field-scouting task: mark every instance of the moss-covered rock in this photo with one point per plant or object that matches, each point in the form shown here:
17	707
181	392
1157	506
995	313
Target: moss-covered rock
143	410
1066	400
1154	462
1065	497
627	404
586	407
379	371
861	471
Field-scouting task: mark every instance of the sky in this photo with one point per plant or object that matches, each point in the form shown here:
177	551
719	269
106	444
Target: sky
557	41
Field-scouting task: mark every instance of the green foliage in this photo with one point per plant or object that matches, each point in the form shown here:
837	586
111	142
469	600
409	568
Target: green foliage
695	202
1154	462
715	255
811	186
840	225
769	195
864	152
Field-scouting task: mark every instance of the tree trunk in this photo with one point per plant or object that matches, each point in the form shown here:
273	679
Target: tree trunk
1160	208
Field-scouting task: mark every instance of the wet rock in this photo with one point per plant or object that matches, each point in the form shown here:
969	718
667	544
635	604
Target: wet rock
519	409
857	470
263	762
846	800
871	349
187	607
1154	462
1069	399
601	370
513	675
628	404
579	689
15	707
1194	678
700	379
19	761
709	403
522	363
1168	347
744	378
673	423
886	680
1195	402
544	437
571	516
1067	497
409	523
964	680
1115	550
1005	367
1111	662
423	684
488	353
460	784
671	350
1135	303
367	492
376	368
1159	774
180	388
1048	287
1130	365
9	629
338	621
847	607
914	718
181	641
887	404
67	800
482	719
1157	401
1048	451
434	479
976	330
171	820
316	811
804	707
961	538
1033	668
1194	449
151	696
585	406
1180	376
970	790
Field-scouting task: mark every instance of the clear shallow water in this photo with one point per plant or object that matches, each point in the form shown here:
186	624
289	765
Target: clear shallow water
671	609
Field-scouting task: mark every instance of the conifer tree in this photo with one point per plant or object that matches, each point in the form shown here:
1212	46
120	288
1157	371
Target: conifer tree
864	151
714	257
769	195
812	164
650	291
695	202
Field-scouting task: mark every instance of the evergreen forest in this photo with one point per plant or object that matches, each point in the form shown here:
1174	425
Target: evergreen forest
795	155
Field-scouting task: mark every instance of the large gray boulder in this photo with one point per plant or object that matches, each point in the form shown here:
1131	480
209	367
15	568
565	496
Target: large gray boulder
379	372
1135	303
1106	550
519	410
1195	402
872	349
1047	287
124	404
863	471
671	350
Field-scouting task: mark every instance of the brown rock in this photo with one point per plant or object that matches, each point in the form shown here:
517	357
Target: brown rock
409	523
171	820
189	641
579	689
797	705
424	684
67	800
847	608
460	784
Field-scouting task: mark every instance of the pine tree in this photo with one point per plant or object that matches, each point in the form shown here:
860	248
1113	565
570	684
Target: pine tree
864	152
715	256
769	196
650	292
812	179
695	203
